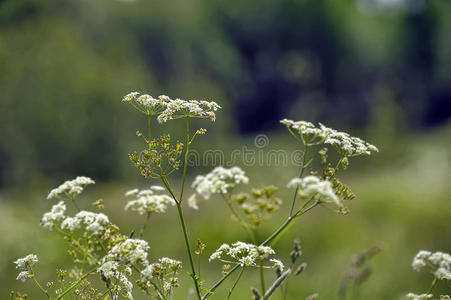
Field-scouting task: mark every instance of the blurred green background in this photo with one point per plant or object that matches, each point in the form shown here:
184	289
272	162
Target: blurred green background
379	69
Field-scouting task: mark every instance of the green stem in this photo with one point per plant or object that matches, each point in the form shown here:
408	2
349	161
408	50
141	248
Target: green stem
148	130
185	164
234	285
38	284
434	283
300	175
75	204
240	220
262	277
143	228
73	286
188	249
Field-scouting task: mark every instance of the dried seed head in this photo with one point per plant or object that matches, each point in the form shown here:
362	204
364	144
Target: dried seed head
312	297
256	293
296	251
301	268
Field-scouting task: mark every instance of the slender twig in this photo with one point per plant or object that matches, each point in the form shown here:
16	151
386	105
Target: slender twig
185	164
434	282
300	175
234	285
38	284
75	284
143	228
262	277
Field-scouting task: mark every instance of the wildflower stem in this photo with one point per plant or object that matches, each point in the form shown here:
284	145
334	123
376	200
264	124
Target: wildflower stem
143	228
149	130
234	285
73	286
75	204
262	277
188	249
300	175
434	283
185	164
38	284
240	220
276	284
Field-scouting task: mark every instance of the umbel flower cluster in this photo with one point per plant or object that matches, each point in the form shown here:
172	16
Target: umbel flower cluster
103	253
148	201
437	263
344	143
168	109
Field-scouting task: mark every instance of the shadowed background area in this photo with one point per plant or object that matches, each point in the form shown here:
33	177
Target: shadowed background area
379	69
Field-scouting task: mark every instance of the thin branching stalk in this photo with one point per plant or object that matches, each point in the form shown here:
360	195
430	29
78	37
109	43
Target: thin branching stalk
262	276
185	235
236	282
38	284
143	228
73	286
300	175
185	165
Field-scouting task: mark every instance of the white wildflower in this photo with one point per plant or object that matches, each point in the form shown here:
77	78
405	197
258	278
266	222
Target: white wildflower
24	275
146	201
168	109
24	265
192	202
28	261
121	284
413	296
344	143
219	181
311	186
131	192
94	222
56	214
71	188
157	188
244	254
438	263
130	250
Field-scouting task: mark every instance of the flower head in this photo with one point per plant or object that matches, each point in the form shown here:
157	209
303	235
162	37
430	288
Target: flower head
438	262
24	265
219	181
71	188
313	186
146	201
170	109
94	222
244	254
54	216
344	143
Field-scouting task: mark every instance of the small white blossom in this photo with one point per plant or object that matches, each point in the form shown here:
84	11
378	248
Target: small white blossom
71	188
219	181
192	202
94	222
56	214
28	261
146	201
168	109
413	296
438	262
121	284
311	186
344	143
244	254
130	250
24	265
131	192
